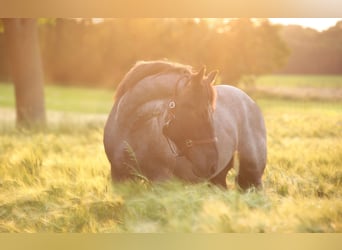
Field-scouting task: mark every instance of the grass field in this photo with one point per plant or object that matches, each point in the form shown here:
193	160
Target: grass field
312	81
58	180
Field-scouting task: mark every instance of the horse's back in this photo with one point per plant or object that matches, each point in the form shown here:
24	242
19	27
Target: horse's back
239	107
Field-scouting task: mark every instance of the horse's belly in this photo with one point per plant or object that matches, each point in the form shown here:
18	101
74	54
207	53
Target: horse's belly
226	143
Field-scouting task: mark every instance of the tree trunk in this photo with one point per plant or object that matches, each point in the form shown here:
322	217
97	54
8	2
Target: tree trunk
21	37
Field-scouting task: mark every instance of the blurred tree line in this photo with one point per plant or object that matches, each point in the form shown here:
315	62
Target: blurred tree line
81	52
313	52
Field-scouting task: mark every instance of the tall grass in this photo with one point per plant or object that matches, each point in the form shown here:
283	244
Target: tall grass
58	180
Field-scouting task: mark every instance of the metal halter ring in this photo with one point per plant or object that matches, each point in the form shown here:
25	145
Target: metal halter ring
172	105
188	143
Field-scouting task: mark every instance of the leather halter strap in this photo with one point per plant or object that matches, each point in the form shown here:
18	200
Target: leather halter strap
190	143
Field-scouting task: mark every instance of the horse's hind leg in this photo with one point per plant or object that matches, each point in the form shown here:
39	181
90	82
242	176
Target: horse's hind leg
248	175
250	171
252	162
220	179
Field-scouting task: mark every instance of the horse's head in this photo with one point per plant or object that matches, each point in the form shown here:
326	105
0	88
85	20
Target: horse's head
190	122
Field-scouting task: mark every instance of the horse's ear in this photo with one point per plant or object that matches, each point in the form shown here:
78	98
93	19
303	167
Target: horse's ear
198	77
211	77
201	73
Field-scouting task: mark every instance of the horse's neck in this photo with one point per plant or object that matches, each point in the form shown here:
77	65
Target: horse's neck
152	88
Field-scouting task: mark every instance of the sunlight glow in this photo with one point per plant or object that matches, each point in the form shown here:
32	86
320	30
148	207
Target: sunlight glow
319	24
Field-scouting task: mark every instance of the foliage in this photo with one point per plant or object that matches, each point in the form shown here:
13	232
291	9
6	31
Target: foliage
252	51
313	52
58	180
80	51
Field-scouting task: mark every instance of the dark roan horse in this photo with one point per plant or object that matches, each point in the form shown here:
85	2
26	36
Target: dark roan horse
168	120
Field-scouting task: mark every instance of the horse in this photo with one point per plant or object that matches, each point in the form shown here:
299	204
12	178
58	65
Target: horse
170	120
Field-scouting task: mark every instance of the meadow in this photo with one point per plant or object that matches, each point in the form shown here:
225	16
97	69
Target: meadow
58	180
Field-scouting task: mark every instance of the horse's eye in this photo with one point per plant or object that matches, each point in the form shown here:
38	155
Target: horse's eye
172	105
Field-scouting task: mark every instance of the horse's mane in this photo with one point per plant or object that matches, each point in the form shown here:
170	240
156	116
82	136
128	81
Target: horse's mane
143	69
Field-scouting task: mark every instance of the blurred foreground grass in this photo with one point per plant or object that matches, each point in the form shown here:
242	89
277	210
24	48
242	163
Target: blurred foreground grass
58	180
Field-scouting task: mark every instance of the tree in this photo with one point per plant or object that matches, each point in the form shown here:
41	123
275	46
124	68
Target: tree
313	52
252	49
21	39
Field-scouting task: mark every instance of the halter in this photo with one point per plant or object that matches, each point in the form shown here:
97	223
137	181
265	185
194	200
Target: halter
188	143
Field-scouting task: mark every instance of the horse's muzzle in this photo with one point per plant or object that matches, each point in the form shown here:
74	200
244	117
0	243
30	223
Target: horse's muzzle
205	172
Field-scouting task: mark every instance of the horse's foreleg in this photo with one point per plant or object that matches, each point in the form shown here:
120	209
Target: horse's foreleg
220	179
119	174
